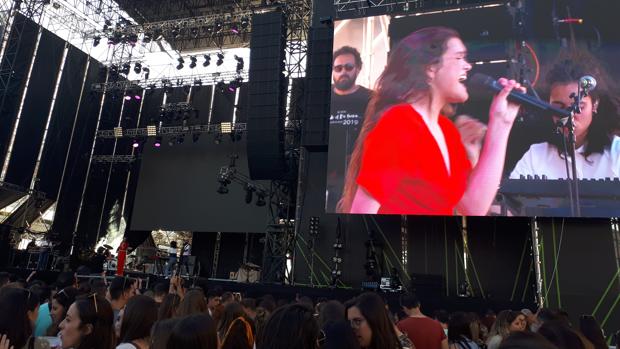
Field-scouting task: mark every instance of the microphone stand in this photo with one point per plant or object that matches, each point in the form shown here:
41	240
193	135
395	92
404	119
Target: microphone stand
572	143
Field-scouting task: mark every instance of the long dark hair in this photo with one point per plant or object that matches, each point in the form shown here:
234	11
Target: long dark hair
568	68
160	333
65	298
194	302
403	80
97	312
140	315
169	306
14	322
290	326
592	331
194	331
373	309
233	328
459	327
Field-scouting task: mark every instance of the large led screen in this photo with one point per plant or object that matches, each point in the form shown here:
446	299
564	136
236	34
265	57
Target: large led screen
488	110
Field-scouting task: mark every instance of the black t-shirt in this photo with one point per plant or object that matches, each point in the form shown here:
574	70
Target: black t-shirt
345	123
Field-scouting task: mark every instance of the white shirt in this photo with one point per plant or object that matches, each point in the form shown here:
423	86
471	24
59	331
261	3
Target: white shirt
543	159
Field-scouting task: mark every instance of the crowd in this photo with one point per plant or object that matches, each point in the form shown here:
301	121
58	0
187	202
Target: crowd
91	314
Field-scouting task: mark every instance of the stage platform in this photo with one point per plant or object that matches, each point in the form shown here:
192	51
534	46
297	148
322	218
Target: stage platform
431	302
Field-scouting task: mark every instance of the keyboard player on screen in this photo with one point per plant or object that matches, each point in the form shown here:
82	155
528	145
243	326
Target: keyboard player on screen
596	127
409	157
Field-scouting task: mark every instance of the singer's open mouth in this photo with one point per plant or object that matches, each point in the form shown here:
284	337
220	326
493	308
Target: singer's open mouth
462	79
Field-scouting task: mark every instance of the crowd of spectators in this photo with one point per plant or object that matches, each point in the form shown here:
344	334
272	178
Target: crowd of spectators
94	314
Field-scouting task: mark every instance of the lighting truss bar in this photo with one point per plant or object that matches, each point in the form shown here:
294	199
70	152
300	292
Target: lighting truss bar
207	79
357	7
113	159
16	188
171	131
231	174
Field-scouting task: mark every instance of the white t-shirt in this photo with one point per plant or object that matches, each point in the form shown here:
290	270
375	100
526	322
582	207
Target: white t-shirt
543	159
172	251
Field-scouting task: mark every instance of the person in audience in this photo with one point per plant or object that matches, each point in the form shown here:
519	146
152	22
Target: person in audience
291	326
160	333
195	331
507	322
121	290
88	324
168	307
330	311
460	332
519	324
193	303
159	292
227	298
596	125
44	320
61	302
99	287
423	331
526	340
214	300
443	318
562	336
249	306
371	323
338	334
139	316
591	329
530	318
18	312
235	330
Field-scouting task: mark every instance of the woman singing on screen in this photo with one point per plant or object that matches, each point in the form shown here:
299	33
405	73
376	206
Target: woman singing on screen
409	158
597	148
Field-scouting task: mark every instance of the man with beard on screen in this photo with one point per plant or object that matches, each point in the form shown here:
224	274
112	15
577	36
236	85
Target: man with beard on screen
348	105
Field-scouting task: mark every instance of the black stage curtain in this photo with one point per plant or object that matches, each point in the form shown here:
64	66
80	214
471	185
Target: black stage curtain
61	124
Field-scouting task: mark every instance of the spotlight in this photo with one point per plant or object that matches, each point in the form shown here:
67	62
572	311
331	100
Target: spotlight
181	62
220	86
175	32
226	127
137	68
220	59
260	201
147	38
218	26
135	143
137	97
132	39
147	72
234	29
127	98
233	85
96	41
244	22
118	132
126	68
198	82
181	139
157	143
193	60
207	61
240	64
151	130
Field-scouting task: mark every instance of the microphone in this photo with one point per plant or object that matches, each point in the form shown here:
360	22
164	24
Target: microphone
484	81
587	83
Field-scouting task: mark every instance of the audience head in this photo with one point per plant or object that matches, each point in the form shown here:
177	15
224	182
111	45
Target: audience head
139	316
168	307
193	332
214	298
330	311
459	327
61	302
99	287
409	301
249	306
291	326
160	291
193	303
561	335
19	309
526	340
65	279
160	333
231	312
88	324
227	297
235	331
121	289
592	331
268	304
371	323
503	323
173	244
339	335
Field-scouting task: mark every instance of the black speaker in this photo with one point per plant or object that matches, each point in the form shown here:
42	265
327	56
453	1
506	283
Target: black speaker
267	97
315	131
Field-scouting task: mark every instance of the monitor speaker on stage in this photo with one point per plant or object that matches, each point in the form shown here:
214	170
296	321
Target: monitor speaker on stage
267	97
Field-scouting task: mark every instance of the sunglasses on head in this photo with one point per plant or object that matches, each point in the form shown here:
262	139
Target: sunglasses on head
348	67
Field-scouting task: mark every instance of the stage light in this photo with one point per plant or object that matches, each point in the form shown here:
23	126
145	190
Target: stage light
218	26
244	22
195	32
260	201
221	85
175	32
233	85
135	143
240	64
181	139
207	61
198	82
220	59
226	127
151	130
223	189
147	38
181	62
137	97
118	132
147	73
193	60
126	68
127	98
195	137
157	143
234	29
172	141
133	39
96	41
137	68
218	138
